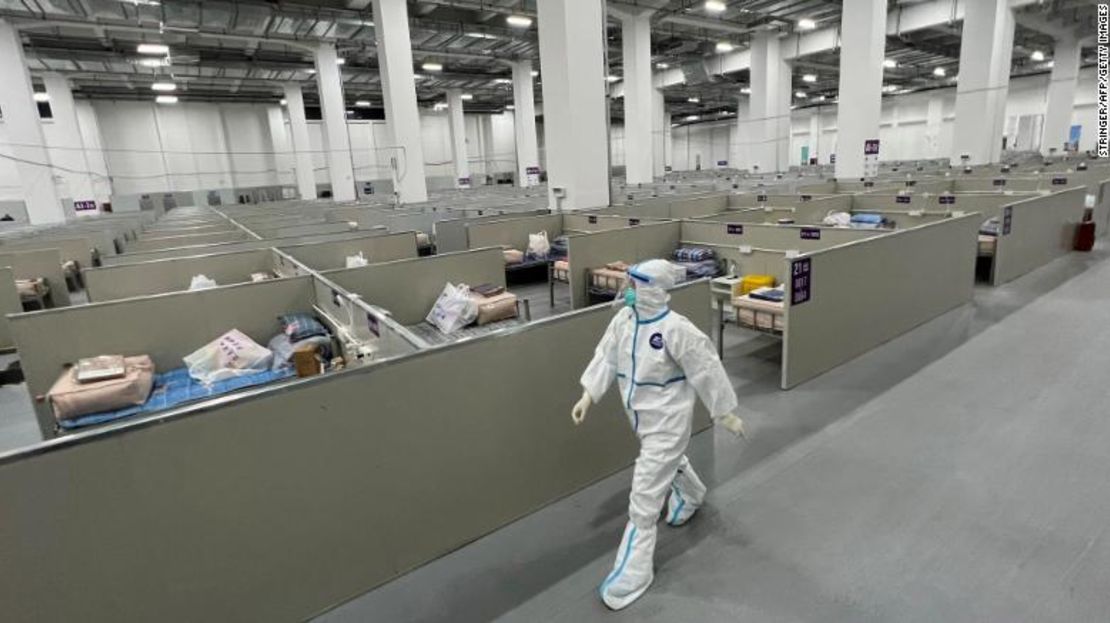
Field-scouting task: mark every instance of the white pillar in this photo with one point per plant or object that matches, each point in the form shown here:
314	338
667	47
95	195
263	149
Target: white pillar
1061	95
302	149
660	123
768	132
862	45
572	60
21	120
986	47
815	134
329	85
524	125
391	26
458	138
67	152
668	142
638	96
934	120
743	141
94	152
279	142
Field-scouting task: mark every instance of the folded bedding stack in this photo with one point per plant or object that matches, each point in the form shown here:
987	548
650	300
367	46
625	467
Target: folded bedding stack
513	256
698	262
494	304
422	239
31	288
560	270
559	248
127	382
611	277
693	254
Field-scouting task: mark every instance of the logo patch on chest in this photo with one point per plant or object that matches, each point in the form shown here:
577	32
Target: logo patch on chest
656	341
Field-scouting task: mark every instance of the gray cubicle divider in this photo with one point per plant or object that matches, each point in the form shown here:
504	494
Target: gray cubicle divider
244	495
408	288
688	207
1040	230
862	294
189	229
166	326
110	283
376	249
764	197
227	247
988	204
176	242
578	222
628	244
75	247
36	263
759	249
450	234
513	232
9	304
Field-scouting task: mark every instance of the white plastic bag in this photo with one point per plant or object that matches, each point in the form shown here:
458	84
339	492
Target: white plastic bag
202	282
538	245
232	354
354	261
838	219
454	309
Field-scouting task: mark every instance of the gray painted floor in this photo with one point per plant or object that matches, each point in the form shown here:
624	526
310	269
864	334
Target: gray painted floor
959	473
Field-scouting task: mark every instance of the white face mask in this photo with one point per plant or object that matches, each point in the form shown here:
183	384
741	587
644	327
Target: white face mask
651	301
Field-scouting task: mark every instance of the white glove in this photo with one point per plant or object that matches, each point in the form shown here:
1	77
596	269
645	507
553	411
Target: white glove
733	424
578	413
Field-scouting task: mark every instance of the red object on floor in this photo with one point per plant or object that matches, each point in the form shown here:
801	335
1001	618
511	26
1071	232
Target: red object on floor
1085	236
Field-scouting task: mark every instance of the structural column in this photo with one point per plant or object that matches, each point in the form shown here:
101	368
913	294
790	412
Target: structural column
406	154
21	120
68	151
329	85
815	134
1061	95
986	48
768	130
279	141
660	123
638	98
524	125
302	150
934	120
458	138
862	45
572	61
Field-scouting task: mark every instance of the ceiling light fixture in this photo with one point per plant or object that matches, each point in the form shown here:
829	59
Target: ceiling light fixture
41	97
889	88
692	118
662	66
466	97
153	62
340	61
311	70
440	106
612	78
481	35
432	67
535	73
163	86
693	100
503	80
362	104
939	72
725	46
800	95
283	102
510	107
518	21
890	63
746	90
809	78
166	99
715	6
1037	56
806	24
153	48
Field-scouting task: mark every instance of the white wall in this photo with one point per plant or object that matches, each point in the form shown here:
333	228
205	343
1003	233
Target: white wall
902	131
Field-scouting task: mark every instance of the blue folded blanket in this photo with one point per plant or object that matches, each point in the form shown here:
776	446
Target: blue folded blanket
175	388
693	254
871	219
775	295
697	270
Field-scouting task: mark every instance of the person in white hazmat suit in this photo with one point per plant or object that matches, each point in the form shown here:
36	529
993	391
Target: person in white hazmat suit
662	363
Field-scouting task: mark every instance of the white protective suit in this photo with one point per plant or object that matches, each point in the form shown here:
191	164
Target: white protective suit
662	363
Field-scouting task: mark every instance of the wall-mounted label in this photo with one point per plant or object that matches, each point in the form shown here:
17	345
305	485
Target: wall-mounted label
84	206
368	188
871	147
999	181
592	220
735	229
911	182
807	197
801	281
1007	220
633	221
532	170
761	198
868	184
668	168
946	200
372	324
903	199
1059	181
722	163
810	233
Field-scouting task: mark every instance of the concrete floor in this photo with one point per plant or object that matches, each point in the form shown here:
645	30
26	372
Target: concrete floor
958	473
